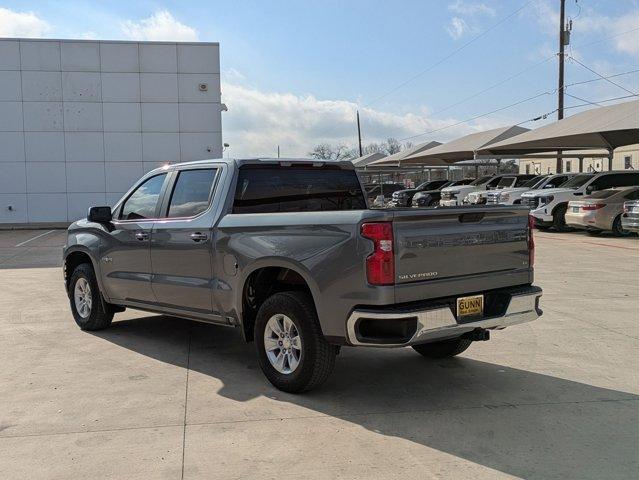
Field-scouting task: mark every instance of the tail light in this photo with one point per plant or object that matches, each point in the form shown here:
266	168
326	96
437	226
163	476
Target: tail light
531	241
592	206
380	265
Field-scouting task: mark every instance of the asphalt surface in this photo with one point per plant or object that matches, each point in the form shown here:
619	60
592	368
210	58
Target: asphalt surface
157	397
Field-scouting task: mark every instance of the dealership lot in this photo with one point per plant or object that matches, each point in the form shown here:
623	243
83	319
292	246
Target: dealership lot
156	397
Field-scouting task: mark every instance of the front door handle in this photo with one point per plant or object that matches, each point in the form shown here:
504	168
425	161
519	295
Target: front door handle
198	237
141	236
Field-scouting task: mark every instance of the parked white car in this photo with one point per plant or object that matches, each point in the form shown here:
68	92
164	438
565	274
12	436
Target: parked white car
548	206
506	181
452	196
512	196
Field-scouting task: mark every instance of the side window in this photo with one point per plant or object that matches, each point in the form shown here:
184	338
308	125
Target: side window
143	201
191	193
634	195
604	182
626	179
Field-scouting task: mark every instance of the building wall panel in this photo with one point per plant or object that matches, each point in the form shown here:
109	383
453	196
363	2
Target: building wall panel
81	121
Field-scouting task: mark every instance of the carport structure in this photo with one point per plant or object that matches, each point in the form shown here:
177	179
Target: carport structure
462	148
364	160
599	128
397	159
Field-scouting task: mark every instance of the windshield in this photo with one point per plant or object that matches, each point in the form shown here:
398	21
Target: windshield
505	182
577	181
535	181
481	180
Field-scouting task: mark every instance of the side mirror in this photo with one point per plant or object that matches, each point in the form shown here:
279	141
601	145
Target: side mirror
100	214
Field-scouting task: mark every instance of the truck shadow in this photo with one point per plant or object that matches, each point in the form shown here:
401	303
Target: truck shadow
518	422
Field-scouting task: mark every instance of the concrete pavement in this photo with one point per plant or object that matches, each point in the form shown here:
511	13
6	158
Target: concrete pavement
157	397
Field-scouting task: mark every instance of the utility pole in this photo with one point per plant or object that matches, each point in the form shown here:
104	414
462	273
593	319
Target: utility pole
564	39
359	135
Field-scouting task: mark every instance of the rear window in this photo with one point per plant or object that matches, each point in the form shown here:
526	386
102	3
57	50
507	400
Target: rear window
268	189
603	193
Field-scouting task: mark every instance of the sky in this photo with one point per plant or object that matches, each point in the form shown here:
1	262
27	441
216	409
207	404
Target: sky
295	72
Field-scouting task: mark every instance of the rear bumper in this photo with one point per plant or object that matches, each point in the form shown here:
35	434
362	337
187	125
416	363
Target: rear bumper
438	321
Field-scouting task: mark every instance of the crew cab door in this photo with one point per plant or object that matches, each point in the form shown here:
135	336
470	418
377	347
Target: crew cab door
125	256
181	245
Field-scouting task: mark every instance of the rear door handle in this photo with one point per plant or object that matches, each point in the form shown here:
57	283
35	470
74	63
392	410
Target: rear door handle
142	236
198	237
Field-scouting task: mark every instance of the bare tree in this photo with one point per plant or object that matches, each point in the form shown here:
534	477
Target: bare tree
326	151
393	146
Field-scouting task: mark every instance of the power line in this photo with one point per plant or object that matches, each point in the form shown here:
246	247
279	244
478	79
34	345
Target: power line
475	95
545	115
582	99
602	77
451	54
478	116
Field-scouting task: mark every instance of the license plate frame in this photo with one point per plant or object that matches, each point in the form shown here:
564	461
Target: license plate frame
471	306
575	209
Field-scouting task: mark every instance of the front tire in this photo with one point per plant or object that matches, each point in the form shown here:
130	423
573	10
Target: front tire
89	310
444	348
559	218
617	228
291	349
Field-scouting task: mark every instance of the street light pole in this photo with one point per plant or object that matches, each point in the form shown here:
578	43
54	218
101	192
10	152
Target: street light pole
359	135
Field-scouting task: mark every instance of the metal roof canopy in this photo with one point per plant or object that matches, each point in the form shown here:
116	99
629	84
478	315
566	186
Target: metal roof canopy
396	159
366	159
463	148
598	128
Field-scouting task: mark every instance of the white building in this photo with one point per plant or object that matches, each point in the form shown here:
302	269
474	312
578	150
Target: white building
624	158
80	121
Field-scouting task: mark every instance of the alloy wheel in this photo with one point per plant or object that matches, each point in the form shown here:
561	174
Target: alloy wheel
282	343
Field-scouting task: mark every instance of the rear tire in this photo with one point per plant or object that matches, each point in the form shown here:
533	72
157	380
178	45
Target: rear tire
559	218
89	309
617	228
291	349
443	349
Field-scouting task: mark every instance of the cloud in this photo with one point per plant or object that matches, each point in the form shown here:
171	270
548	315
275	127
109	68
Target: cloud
457	27
22	24
159	26
471	8
257	122
629	42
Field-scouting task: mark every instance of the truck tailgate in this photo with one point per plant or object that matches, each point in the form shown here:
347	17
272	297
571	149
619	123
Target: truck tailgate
452	243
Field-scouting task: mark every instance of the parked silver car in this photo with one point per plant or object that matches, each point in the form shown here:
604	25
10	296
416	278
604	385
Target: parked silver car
601	211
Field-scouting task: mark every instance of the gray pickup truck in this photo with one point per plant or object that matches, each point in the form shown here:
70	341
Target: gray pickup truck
289	252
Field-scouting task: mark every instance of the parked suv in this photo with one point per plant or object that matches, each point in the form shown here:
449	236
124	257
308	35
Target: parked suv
506	181
404	198
512	196
548	207
215	241
431	198
454	195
